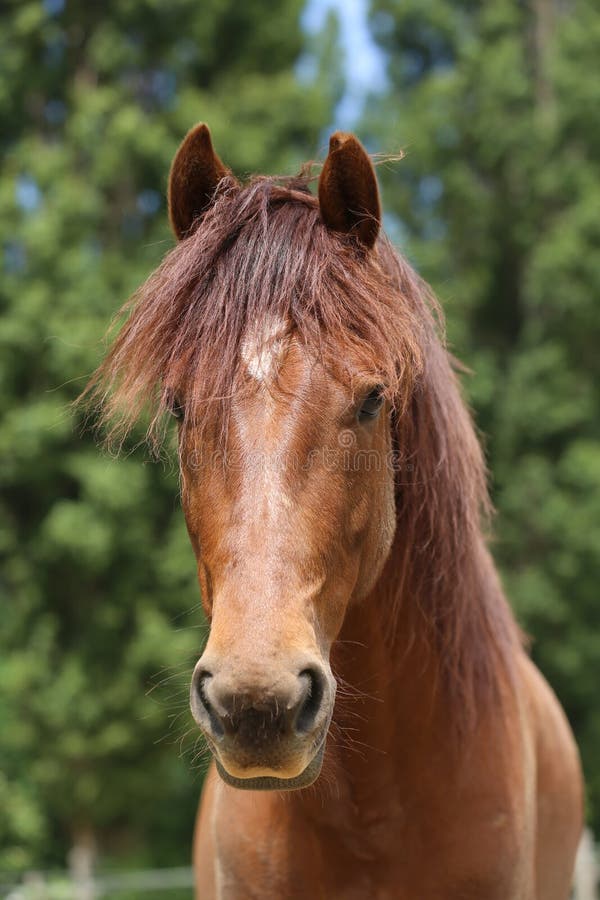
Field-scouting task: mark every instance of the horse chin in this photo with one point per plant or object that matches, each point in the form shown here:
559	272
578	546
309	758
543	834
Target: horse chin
271	783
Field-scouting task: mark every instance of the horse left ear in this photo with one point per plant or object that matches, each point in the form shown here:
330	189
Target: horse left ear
348	193
195	173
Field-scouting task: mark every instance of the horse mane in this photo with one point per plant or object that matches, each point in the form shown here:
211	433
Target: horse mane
262	251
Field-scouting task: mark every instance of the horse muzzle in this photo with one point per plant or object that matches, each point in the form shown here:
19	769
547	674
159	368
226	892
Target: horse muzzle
267	729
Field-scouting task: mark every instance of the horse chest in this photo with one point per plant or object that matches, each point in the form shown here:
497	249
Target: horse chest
289	860
367	883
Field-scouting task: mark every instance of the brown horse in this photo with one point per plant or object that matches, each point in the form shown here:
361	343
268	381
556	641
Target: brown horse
335	495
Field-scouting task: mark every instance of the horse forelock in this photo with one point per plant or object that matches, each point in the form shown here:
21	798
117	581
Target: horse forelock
261	254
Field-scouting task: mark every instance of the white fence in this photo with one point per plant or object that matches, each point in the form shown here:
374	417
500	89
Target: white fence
46	886
587	871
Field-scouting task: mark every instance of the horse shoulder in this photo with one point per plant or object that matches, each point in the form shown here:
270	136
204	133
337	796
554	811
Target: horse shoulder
559	787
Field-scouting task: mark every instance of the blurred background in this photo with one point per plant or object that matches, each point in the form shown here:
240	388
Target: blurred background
497	204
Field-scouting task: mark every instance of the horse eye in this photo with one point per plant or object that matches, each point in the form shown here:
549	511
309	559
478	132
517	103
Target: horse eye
174	406
371	405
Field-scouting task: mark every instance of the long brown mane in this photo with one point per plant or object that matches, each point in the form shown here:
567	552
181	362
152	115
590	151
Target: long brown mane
262	251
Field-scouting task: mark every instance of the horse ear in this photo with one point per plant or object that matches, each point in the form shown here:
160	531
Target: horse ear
195	174
348	193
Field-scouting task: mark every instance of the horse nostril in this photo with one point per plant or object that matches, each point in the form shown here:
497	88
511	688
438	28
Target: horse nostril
201	680
257	716
311	703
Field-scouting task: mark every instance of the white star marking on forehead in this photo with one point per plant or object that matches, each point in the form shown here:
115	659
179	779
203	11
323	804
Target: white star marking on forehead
263	350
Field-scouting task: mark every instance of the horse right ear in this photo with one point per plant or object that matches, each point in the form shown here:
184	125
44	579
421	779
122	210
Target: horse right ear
195	173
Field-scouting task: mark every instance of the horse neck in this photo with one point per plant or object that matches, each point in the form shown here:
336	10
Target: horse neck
418	641
399	700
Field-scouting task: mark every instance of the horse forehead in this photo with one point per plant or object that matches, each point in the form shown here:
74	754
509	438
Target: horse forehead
276	359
